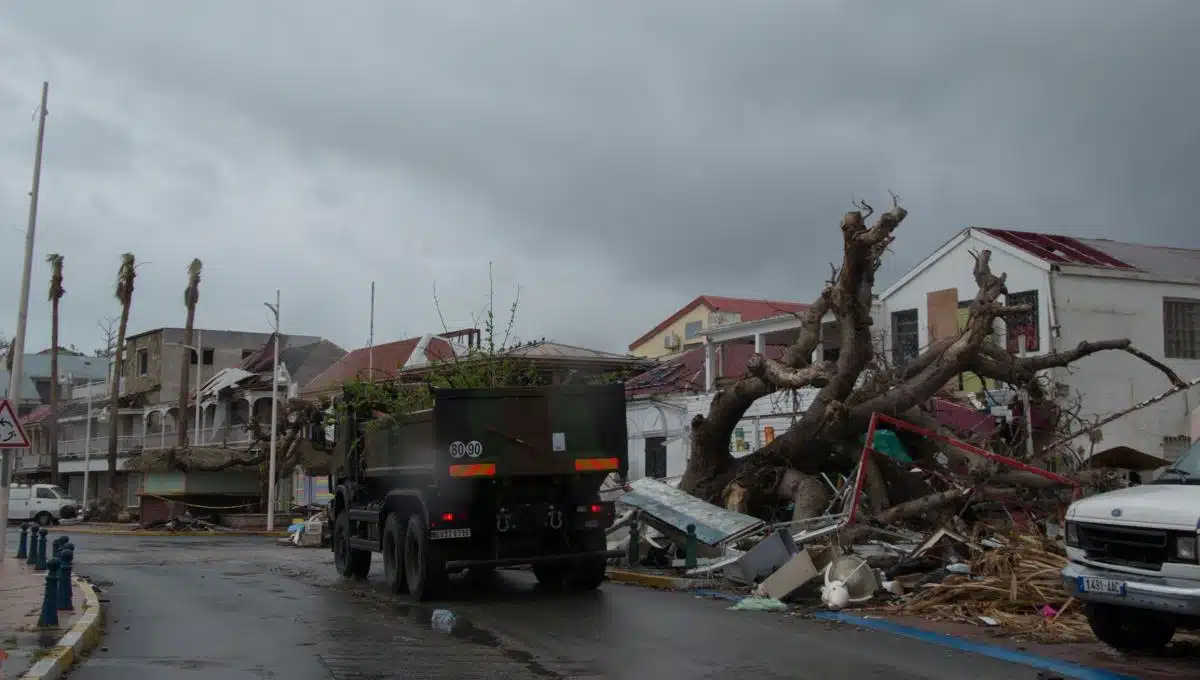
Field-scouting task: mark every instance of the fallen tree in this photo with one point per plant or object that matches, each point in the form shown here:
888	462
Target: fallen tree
826	438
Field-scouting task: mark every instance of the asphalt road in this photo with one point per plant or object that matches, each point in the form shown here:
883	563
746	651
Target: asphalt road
182	608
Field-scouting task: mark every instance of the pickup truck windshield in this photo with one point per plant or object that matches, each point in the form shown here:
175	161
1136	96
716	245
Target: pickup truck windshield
1185	470
60	492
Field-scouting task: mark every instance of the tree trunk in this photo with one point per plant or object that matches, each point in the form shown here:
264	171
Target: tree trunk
184	411
52	421
114	399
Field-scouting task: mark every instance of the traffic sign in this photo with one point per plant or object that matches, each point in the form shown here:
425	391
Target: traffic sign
12	435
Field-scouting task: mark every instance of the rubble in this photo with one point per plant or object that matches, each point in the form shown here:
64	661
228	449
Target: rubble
982	546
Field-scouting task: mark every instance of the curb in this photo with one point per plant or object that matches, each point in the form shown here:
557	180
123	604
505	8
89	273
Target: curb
81	639
67	529
660	581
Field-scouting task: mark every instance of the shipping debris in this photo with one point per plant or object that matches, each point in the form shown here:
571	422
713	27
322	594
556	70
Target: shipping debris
983	546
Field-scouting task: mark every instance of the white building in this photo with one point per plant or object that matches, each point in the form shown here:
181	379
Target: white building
1080	289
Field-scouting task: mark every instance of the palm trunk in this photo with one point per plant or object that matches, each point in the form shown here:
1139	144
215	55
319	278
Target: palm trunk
181	435
52	422
114	398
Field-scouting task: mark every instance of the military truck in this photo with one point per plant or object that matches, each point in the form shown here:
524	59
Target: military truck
486	478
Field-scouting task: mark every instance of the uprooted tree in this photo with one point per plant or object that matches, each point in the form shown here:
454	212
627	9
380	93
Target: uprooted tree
827	437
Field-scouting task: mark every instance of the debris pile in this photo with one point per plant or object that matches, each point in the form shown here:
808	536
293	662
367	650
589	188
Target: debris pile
981	546
182	523
1016	586
311	533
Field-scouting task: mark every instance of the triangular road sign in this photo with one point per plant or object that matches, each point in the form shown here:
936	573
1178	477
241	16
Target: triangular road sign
12	435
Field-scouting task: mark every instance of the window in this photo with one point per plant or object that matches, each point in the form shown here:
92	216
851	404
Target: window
1023	324
1181	328
906	340
43	492
656	457
208	356
691	330
247	353
143	362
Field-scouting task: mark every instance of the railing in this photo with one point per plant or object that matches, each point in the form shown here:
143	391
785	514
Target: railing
75	449
30	461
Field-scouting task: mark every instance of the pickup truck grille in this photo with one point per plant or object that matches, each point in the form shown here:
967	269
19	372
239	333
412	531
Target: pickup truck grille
1125	546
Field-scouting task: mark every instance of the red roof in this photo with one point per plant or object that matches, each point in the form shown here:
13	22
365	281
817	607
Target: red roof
388	360
749	310
1057	249
684	372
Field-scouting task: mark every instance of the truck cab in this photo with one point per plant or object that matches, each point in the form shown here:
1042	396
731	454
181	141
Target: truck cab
1134	559
486	478
45	504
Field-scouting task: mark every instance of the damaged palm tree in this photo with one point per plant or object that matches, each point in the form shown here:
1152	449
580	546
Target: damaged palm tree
124	294
56	294
191	296
826	438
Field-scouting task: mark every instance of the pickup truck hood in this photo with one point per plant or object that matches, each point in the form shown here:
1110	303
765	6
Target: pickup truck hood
1175	506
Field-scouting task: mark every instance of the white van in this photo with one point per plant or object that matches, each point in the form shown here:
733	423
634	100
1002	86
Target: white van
45	504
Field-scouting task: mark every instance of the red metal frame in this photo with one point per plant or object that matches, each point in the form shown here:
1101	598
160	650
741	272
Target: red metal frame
878	419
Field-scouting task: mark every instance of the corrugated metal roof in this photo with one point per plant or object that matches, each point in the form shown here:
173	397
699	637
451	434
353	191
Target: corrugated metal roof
1171	262
556	350
1181	263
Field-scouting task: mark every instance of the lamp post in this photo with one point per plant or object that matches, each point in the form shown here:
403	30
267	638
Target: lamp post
274	416
199	351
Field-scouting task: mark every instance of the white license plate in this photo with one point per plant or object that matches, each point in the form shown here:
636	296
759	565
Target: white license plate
438	534
1106	586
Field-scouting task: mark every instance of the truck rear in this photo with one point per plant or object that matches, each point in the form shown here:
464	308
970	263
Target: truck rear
487	478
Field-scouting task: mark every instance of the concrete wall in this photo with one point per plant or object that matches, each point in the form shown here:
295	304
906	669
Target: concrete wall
1095	308
656	347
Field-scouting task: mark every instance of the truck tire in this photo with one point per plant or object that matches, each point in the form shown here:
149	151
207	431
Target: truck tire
589	574
424	565
44	519
1129	629
350	562
393	555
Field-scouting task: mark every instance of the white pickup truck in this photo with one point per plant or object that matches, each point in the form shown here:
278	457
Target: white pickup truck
1134	559
45	504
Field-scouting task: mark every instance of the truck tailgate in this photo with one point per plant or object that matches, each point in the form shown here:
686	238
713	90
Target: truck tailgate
530	432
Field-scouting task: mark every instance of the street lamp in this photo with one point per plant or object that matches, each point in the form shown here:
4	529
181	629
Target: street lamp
199	365
274	416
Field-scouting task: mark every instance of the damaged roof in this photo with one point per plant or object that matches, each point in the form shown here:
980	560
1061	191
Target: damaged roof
684	371
1167	261
387	359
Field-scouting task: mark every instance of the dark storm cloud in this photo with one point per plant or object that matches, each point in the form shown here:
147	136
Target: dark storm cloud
685	147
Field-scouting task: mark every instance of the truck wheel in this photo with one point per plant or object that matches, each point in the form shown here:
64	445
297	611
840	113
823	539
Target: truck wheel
44	519
423	562
589	574
349	562
393	555
1129	629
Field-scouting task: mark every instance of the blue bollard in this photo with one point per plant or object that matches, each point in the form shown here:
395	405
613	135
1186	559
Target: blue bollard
31	558
40	564
690	547
49	617
23	546
56	546
66	558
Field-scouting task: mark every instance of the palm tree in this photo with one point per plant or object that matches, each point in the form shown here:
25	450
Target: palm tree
56	293
124	294
191	295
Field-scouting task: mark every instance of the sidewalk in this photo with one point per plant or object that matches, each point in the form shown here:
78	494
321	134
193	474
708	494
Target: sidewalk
120	529
21	590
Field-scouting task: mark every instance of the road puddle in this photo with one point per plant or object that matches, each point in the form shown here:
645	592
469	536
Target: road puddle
448	622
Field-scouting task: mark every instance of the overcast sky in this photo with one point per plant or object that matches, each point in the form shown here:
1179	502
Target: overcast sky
613	158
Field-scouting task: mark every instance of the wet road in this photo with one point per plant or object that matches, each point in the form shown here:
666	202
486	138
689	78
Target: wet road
183	608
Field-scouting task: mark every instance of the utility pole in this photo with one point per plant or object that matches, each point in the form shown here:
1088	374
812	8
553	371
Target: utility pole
371	339
18	347
274	417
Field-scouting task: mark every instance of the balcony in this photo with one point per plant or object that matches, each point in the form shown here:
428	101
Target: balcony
75	449
31	462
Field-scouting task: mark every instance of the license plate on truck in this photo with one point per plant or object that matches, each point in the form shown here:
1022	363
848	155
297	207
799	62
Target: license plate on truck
1104	586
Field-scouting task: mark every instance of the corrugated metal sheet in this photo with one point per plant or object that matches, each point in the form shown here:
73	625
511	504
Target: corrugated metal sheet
1166	261
677	509
1181	263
